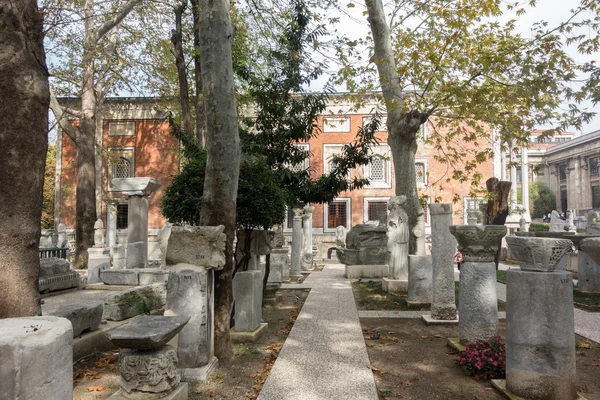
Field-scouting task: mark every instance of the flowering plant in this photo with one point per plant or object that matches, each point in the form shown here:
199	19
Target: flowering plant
484	359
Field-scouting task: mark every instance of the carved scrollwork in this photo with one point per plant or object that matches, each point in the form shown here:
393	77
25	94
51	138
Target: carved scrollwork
478	243
149	371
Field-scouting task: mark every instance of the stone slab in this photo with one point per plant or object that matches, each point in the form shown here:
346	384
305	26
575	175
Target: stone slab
394	286
120	277
93	271
500	385
367	271
148	332
149	276
137	255
431	321
200	374
420	279
85	315
588	274
138	186
36	358
179	393
60	281
197	245
247	295
52	266
249	337
129	303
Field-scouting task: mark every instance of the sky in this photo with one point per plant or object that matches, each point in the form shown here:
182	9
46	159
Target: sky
552	11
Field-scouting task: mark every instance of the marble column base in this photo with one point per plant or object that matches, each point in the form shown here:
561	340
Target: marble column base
394	286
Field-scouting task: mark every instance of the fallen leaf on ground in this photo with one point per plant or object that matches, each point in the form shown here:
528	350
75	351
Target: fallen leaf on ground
424	337
488	389
406	383
96	388
377	370
585	346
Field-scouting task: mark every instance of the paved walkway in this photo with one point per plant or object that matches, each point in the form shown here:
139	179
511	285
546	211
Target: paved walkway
325	356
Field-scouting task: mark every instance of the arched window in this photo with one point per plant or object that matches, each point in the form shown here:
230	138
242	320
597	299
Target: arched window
121	168
377	171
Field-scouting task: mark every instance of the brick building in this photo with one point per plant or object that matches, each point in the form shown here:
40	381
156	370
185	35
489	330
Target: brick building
135	141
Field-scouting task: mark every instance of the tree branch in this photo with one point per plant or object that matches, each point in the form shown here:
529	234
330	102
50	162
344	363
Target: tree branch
61	117
116	20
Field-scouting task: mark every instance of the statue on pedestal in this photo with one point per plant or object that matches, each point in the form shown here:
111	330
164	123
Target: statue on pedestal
398	237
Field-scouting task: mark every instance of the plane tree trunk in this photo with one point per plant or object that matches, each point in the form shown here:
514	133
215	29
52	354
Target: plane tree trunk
24	94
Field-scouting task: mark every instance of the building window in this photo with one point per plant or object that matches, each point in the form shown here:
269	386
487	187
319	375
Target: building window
562	173
382	122
337	213
375	209
377	169
122	210
596	197
594	166
333	125
518	172
329	150
121	128
421	173
474	207
304	165
120	164
121	168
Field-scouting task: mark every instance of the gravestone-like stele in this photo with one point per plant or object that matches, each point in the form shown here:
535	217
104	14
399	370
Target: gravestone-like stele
63	242
443	247
589	265
193	253
397	242
137	191
540	331
478	302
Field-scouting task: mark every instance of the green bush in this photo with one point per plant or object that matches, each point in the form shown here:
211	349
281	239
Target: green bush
539	227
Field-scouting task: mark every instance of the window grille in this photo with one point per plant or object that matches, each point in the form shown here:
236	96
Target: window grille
420	172
121	169
562	172
377	171
122	221
337	214
377	211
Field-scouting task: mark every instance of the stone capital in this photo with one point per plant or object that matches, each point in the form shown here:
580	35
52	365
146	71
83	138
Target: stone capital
539	254
440	208
203	246
297	212
478	243
308	210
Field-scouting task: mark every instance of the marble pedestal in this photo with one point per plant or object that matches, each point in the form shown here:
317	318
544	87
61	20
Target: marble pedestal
394	286
540	335
98	259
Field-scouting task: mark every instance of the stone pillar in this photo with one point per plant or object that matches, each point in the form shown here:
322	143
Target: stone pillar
137	191
443	248
111	224
589	265
478	303
525	180
63	242
193	252
247	294
540	323
419	232
307	254
513	179
297	242
502	165
37	358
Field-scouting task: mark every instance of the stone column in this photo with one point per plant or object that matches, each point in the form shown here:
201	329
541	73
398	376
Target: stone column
297	242
525	185
307	253
37	358
443	248
111	224
540	323
478	303
513	178
502	165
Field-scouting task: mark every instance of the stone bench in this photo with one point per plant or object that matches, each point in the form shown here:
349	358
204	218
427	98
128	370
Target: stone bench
85	315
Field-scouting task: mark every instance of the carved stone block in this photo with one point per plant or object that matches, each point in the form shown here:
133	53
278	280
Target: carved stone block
149	371
540	254
203	246
478	243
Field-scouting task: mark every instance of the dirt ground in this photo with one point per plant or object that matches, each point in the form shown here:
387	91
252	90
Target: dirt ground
412	361
97	378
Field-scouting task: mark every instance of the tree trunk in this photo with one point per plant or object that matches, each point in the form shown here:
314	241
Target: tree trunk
25	98
223	147
184	92
402	126
497	207
85	193
200	126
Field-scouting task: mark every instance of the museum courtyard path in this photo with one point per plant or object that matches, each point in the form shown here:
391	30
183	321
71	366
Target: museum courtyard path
324	356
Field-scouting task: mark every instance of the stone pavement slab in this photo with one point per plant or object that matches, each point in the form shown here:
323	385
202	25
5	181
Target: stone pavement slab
325	356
